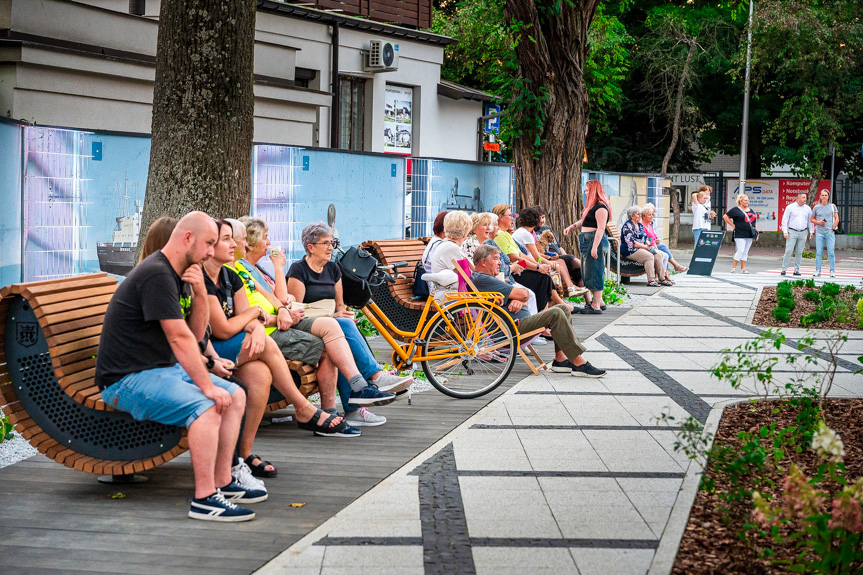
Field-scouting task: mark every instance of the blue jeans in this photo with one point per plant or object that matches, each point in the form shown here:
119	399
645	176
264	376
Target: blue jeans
363	356
828	239
695	233
593	269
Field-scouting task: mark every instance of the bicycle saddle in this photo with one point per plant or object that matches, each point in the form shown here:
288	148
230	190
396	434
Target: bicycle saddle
443	277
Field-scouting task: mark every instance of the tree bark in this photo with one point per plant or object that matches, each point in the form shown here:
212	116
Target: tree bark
203	110
675	135
553	60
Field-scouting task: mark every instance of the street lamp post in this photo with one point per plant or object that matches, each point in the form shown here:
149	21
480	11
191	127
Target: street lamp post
745	135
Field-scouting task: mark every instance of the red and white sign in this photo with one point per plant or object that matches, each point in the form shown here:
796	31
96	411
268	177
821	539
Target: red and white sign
769	197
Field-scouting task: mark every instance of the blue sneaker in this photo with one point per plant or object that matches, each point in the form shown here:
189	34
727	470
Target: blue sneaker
234	491
346	432
370	395
216	508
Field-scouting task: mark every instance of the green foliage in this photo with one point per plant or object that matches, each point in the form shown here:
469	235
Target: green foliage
364	326
5	428
812	295
810	283
783	289
831	289
781	314
787	303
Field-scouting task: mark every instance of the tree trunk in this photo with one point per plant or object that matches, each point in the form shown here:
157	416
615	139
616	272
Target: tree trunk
553	61
203	110
675	135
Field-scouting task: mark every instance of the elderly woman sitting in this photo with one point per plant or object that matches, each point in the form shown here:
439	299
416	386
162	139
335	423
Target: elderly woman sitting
480	231
456	227
648	212
635	246
315	278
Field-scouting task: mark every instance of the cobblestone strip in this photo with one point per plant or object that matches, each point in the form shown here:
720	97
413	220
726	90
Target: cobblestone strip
566	542
369	541
843	363
446	544
694	405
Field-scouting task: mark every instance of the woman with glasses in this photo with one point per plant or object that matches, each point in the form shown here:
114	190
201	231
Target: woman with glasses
593	242
316	277
328	329
239	334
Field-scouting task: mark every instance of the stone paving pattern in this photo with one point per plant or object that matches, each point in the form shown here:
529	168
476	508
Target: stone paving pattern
561	474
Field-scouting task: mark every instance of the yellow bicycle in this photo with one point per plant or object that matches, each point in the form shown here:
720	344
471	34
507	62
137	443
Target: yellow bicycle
466	343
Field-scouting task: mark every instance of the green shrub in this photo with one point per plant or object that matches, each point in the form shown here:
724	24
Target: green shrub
810	283
787	303
782	314
799	283
5	428
830	289
812	295
784	290
816	316
850	287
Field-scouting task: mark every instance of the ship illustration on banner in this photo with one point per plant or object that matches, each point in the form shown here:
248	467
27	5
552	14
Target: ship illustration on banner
118	256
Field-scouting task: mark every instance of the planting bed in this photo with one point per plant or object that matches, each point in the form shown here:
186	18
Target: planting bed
712	542
767	303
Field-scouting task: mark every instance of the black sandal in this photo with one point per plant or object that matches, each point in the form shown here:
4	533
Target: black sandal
260	469
324	429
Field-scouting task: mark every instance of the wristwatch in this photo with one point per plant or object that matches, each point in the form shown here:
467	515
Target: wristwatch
211	363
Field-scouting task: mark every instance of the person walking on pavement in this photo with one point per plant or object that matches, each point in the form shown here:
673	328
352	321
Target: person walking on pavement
744	231
795	228
825	216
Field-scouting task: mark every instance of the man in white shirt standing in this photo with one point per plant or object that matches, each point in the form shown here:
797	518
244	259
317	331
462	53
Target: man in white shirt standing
795	227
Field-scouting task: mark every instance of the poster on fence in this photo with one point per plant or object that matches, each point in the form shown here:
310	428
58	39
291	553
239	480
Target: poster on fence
398	126
769	197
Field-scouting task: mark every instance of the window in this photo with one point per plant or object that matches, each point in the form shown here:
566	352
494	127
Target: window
352	112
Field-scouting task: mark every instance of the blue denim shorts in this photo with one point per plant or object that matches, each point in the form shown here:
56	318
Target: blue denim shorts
593	269
166	395
229	348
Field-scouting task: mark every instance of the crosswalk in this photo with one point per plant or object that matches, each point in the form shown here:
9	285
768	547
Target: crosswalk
809	271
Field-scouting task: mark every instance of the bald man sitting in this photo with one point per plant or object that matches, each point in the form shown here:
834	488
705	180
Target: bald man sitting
149	365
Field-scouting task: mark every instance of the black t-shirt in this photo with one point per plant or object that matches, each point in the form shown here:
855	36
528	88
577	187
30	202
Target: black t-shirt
742	221
487	283
132	339
229	284
318	285
590	217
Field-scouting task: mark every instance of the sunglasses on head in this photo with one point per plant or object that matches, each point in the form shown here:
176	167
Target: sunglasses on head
247	279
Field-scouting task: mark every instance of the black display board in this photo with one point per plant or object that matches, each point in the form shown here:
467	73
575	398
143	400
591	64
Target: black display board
706	250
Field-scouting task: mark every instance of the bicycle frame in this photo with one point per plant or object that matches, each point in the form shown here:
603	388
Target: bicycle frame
407	352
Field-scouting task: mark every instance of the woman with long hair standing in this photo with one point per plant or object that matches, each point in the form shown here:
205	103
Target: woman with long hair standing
825	216
593	242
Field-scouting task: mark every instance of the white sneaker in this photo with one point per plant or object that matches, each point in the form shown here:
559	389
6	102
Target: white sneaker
816	275
243	475
365	418
393	383
832	274
539	341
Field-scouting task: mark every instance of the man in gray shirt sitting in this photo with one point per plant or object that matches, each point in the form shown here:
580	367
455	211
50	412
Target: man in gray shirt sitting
568	349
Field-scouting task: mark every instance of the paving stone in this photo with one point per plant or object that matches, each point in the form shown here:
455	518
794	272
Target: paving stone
612	561
518	561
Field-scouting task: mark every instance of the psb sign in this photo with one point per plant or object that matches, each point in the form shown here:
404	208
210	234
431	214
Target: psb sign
706	250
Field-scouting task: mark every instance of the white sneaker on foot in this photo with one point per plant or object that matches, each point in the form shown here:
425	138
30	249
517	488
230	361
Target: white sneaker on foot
393	383
243	475
832	274
362	417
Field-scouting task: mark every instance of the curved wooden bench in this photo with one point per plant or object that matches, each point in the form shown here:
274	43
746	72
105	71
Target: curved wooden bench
50	335
396	299
628	268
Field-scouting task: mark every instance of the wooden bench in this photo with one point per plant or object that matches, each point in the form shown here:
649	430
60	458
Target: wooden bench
627	268
50	335
396	300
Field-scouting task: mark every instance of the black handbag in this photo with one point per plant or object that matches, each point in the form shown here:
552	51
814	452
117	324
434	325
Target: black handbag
359	273
421	287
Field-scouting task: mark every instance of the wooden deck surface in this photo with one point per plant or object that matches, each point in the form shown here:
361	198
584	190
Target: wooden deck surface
53	519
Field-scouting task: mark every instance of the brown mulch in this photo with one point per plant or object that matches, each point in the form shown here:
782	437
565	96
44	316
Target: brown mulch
764	311
711	543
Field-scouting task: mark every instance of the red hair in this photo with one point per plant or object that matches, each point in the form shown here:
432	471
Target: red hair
595	195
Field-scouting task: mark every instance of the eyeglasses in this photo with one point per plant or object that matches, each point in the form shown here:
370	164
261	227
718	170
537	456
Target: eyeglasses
510	215
332	244
248	279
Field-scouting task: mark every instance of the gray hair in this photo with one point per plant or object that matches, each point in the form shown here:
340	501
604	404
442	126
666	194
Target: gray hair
313	233
631	211
483	252
648	207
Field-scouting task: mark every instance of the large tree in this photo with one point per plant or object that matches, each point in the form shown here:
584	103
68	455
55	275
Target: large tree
203	110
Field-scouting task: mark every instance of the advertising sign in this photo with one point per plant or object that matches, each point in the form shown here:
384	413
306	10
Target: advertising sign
706	250
398	114
769	197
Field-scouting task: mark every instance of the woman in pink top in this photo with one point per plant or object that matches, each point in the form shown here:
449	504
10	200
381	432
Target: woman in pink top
647	215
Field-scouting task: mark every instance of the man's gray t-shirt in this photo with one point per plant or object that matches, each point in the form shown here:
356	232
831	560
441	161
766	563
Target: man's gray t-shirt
825	213
487	283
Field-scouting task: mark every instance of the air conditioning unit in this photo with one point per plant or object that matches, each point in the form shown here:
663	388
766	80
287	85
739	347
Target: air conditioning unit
382	55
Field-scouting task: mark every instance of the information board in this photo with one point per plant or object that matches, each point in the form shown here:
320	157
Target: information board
706	250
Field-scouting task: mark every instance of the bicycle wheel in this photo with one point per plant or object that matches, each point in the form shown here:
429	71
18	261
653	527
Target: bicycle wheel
480	364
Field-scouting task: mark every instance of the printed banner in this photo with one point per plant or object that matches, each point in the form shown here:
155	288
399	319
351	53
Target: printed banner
769	197
398	129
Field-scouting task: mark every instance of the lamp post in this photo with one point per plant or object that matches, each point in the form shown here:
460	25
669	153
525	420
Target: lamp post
745	135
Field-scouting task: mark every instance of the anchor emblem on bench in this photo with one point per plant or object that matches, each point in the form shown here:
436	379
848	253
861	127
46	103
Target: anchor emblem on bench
27	333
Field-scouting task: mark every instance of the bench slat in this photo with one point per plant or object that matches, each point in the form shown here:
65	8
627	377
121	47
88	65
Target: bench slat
57	284
98	310
58	328
71	336
74	356
79	345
